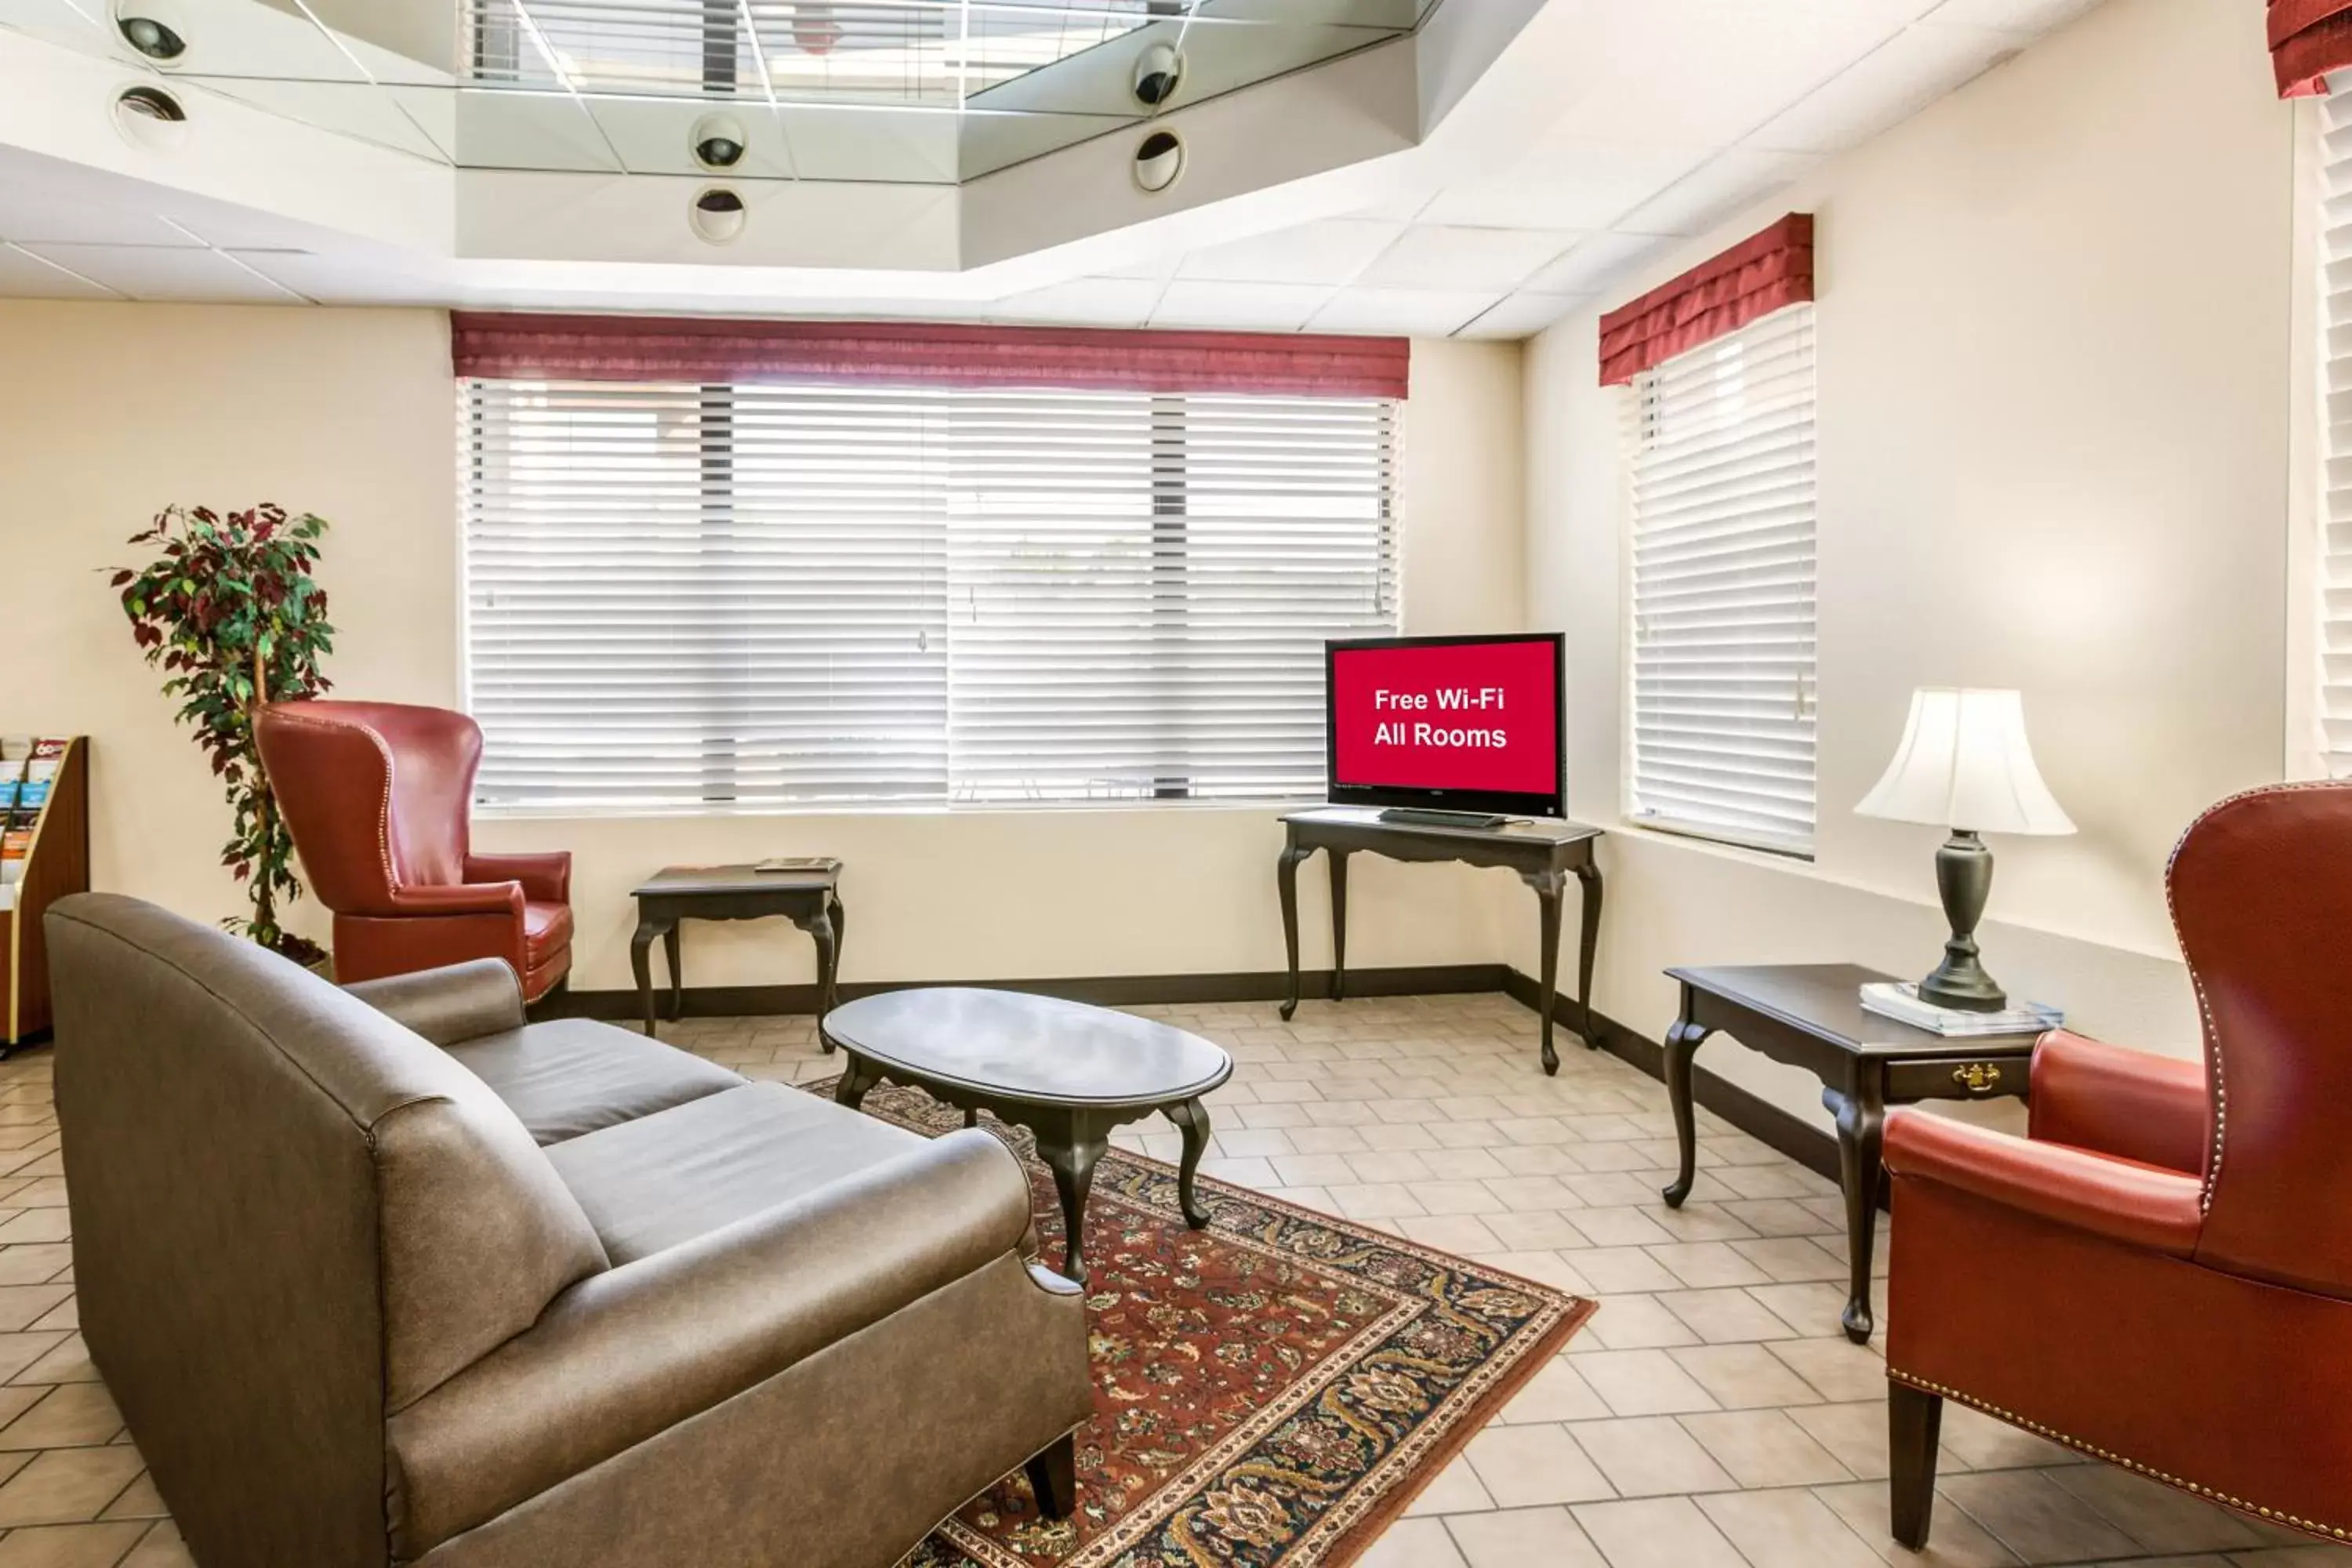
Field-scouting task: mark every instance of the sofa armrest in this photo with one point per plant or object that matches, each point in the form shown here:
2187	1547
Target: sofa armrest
2122	1200
461	899
546	878
455	1002
2155	1110
628	1354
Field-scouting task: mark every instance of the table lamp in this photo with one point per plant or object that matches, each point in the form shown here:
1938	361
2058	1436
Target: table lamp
1964	764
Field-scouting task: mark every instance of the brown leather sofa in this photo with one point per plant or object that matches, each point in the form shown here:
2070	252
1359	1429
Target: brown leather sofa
380	799
2160	1274
386	1277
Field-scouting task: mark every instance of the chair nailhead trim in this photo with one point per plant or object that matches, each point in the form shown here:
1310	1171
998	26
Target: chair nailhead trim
2279	1516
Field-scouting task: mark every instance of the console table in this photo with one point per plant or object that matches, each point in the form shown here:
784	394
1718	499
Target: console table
810	899
1544	853
1811	1016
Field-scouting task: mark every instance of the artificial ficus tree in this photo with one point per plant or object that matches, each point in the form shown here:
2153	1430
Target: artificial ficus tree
231	612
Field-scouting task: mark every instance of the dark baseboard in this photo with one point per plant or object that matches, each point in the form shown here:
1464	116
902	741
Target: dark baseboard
1104	990
1801	1140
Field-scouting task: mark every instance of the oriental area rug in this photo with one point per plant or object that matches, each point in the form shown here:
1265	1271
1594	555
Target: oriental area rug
1269	1392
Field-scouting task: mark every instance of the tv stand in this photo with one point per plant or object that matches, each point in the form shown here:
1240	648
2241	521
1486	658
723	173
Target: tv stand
1422	816
1543	854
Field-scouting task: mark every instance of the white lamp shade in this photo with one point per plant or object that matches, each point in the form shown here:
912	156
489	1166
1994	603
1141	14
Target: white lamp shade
1964	764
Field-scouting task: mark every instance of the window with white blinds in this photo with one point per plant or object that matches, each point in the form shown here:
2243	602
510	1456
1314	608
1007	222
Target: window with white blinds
758	596
2333	741
1719	462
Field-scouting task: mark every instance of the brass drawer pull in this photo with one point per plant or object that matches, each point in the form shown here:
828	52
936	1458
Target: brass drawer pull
1977	1077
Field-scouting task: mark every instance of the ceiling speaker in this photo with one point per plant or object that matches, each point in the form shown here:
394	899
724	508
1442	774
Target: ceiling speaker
1159	160
717	217
149	117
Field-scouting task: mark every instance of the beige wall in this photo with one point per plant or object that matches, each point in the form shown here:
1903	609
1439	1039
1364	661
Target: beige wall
108	411
2053	345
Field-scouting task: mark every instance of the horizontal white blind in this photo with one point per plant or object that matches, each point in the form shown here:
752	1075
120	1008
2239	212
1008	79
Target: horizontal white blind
2335	674
1141	588
679	594
1720	464
706	597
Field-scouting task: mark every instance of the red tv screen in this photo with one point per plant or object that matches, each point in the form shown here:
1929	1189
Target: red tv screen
1467	722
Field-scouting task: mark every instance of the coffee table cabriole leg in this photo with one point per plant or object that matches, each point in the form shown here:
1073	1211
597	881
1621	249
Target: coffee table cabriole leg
1192	1117
1070	1145
858	1079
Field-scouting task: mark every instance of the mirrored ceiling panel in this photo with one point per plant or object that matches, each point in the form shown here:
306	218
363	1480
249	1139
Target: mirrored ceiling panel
916	92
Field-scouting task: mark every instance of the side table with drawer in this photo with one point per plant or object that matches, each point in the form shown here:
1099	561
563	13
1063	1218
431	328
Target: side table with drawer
1811	1016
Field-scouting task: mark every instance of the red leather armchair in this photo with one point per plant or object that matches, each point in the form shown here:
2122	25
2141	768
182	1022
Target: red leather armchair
379	797
2160	1274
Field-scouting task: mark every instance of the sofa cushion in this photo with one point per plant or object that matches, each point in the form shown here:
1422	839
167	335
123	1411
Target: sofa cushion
667	1178
574	1076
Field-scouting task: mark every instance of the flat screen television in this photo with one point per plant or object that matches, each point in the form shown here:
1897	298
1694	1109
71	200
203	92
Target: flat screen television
1469	726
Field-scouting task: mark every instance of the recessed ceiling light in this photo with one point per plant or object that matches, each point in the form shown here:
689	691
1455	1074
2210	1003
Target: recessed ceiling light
718	141
153	29
1159	72
1159	160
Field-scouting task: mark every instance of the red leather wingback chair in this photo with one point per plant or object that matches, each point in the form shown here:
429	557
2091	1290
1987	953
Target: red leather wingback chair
2160	1274
379	797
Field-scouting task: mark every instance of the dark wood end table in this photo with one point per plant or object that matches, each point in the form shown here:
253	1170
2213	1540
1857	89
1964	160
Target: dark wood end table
1811	1016
1544	853
1069	1072
810	899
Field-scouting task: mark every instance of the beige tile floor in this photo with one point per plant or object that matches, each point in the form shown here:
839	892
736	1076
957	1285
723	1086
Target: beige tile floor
1709	1417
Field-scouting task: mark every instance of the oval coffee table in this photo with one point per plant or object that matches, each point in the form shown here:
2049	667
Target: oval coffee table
1069	1072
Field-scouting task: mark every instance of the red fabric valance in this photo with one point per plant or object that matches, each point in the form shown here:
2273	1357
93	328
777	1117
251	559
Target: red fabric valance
2309	39
526	347
1745	283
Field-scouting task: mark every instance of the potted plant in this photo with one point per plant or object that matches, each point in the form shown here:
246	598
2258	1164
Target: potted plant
229	609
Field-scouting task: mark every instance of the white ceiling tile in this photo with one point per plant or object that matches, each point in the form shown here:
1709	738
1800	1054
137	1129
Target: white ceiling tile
1706	72
1082	301
2014	15
155	272
340	280
1734	179
31	214
1244	307
23	276
1435	256
1524	315
1415	312
1329	252
1401	208
1887	87
1567	185
1598	263
1159	268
